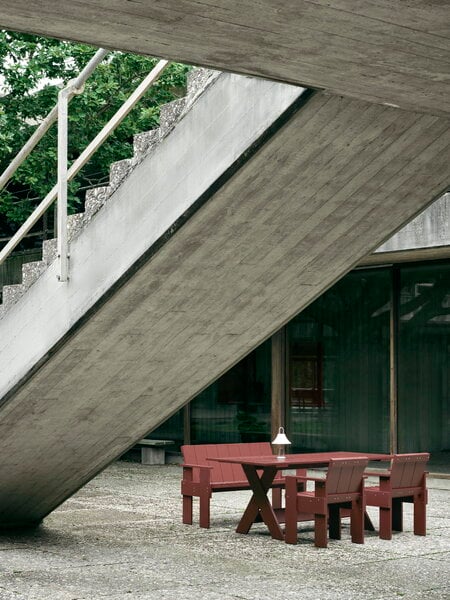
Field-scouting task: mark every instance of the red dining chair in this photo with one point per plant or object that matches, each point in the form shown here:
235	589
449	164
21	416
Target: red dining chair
342	488
405	481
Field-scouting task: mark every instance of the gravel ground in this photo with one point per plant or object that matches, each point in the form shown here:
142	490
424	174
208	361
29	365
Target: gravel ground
121	537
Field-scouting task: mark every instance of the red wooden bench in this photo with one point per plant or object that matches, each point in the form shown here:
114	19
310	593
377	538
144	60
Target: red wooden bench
202	477
342	488
405	481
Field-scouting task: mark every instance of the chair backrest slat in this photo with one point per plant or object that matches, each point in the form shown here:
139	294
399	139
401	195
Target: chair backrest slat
224	472
344	475
407	470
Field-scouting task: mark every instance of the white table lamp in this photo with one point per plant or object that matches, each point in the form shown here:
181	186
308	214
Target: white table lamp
281	441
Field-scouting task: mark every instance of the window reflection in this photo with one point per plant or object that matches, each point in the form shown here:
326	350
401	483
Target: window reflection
339	367
424	358
236	408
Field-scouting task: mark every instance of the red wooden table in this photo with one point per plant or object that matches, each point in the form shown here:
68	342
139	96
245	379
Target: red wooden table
260	472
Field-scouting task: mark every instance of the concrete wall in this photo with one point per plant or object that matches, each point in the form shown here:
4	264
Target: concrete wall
429	229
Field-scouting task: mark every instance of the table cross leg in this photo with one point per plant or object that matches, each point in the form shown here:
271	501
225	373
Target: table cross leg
259	503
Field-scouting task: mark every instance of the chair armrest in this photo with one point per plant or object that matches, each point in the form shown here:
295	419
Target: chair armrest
305	478
188	474
188	466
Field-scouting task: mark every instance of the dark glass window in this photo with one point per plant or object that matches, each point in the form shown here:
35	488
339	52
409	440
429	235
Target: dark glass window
424	358
338	372
171	429
237	406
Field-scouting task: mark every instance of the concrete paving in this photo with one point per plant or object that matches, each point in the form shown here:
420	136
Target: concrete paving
121	537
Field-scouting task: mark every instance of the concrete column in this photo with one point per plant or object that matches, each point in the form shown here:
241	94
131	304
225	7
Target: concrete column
278	380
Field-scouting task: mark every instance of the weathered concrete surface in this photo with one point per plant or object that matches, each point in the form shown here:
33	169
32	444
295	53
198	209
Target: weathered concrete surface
426	237
121	537
430	228
334	182
389	51
223	123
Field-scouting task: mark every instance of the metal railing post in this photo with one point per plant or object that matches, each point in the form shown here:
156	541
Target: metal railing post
63	257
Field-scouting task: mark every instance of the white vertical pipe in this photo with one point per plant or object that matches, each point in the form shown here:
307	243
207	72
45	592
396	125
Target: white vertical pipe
63	102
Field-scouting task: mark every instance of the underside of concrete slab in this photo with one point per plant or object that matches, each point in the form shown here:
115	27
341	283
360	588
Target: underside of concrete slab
389	51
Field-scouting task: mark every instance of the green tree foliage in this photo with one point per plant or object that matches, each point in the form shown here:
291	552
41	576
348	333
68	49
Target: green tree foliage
28	64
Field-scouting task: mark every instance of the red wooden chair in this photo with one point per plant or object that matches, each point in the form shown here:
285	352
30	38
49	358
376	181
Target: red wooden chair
405	481
342	488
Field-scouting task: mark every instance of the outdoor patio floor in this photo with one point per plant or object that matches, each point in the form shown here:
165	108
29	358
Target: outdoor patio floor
121	537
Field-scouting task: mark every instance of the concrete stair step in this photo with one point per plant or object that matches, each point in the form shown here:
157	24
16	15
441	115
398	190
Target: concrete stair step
170	115
12	293
49	251
198	78
144	142
95	199
119	171
75	224
32	271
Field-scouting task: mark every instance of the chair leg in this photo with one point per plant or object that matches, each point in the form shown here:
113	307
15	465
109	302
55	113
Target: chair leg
290	517
334	522
276	498
357	522
320	531
420	516
385	524
205	510
187	510
397	514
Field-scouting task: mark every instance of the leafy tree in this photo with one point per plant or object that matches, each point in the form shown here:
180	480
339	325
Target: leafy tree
29	66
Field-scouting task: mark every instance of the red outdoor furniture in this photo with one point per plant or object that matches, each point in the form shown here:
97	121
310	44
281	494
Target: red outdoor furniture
261	472
343	487
404	482
201	477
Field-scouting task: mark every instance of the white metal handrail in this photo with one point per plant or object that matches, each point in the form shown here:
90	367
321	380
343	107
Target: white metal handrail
52	116
64	176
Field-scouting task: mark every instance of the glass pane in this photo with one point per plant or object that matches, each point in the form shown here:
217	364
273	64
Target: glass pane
237	406
338	385
172	429
424	359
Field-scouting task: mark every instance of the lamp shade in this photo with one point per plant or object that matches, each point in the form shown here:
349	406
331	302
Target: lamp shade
281	438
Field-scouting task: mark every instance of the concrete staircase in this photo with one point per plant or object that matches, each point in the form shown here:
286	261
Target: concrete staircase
251	199
143	144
